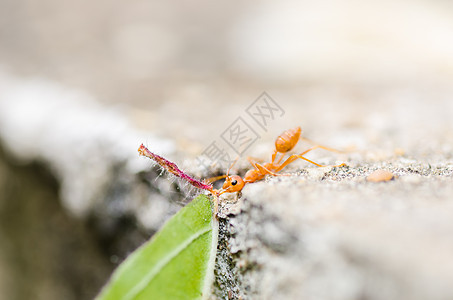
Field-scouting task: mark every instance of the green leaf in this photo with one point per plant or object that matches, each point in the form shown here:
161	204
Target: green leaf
177	263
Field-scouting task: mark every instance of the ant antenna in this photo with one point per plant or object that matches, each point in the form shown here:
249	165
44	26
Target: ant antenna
213	179
232	165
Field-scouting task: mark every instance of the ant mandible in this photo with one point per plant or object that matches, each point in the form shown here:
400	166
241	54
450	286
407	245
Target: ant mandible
283	144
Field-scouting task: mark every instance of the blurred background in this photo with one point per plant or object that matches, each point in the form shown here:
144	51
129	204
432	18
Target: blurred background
82	84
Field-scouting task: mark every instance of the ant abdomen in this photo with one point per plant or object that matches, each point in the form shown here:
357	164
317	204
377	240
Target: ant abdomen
287	140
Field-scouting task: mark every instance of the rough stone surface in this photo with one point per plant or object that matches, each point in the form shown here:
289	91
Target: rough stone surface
336	236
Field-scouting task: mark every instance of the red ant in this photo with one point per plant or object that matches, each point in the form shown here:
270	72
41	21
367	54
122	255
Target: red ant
234	183
283	144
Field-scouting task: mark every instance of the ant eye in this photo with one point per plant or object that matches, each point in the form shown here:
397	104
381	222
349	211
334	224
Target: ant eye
234	182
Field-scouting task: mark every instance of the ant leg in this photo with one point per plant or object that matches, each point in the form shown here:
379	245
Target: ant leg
213	179
321	146
261	168
253	162
296	156
265	171
293	158
305	152
280	159
251	158
274	155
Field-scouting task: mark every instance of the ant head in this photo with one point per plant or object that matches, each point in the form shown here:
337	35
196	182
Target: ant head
232	184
